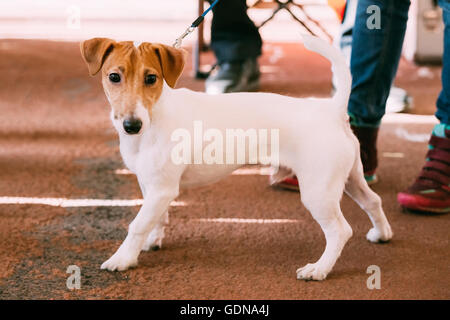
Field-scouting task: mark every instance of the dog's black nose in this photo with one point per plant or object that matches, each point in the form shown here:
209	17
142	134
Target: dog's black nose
132	125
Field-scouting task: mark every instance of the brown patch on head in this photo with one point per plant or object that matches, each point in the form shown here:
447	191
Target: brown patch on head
132	75
95	52
170	60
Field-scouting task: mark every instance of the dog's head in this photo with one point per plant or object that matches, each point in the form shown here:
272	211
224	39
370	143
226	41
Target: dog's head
132	77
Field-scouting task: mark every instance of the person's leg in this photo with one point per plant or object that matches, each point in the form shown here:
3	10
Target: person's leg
375	57
234	37
430	192
443	102
376	48
237	44
398	99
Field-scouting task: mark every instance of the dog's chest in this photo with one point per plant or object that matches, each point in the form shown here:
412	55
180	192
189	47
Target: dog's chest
129	149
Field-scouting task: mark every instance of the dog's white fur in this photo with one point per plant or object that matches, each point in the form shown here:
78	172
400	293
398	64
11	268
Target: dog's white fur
316	143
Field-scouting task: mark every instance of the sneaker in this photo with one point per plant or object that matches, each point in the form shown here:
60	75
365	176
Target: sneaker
367	137
398	101
430	193
234	77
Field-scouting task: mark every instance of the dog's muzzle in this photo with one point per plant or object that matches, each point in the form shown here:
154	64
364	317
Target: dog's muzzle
132	125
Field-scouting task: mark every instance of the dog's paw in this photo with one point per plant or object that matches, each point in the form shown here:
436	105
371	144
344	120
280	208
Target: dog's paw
380	235
154	240
119	262
312	271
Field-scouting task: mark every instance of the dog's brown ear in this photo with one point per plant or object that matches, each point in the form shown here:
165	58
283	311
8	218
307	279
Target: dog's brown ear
172	62
95	51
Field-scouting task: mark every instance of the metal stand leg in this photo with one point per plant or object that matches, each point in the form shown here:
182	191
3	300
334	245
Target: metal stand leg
198	45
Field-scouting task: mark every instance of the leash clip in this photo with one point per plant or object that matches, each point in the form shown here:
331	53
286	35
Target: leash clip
194	25
179	40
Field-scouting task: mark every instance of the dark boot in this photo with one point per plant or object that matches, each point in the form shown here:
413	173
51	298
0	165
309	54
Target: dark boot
367	137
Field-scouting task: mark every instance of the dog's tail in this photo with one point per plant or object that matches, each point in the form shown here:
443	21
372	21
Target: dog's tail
338	66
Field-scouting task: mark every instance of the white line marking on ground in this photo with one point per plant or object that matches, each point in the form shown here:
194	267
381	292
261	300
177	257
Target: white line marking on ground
276	55
393	154
239	220
69	203
269	69
123	171
414	137
262	171
424	72
409	118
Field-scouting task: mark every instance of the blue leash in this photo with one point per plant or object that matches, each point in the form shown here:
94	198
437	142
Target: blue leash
209	9
194	25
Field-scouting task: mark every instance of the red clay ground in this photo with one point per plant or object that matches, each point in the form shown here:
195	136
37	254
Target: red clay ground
56	141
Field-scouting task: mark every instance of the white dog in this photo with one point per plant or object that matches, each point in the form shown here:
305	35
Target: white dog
315	142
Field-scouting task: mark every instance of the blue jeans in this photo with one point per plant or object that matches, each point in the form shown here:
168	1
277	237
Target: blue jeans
375	57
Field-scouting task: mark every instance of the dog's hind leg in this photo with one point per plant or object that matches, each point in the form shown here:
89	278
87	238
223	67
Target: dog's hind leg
370	202
281	174
156	236
322	200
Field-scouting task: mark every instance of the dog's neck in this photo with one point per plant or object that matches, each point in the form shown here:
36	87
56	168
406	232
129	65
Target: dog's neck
163	100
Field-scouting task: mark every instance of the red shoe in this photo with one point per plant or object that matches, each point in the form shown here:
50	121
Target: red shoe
430	193
288	184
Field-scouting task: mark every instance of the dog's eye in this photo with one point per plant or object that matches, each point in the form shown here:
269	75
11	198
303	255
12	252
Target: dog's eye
114	77
150	79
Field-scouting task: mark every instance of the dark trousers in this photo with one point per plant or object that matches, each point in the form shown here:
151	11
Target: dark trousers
234	37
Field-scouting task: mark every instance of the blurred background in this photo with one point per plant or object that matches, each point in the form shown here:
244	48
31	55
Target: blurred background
57	144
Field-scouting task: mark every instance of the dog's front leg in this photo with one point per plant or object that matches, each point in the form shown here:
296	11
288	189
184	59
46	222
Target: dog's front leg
156	236
156	201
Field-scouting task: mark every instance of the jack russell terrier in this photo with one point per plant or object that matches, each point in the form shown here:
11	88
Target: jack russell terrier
315	142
